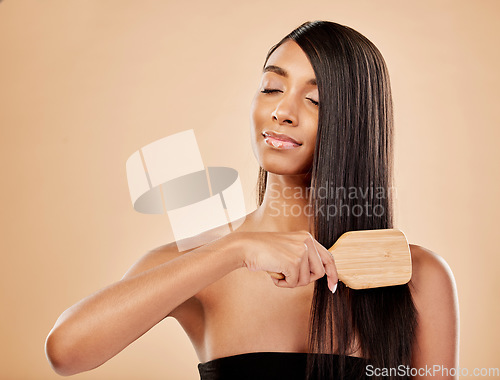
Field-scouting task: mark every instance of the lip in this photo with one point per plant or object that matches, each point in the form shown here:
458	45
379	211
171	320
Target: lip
280	137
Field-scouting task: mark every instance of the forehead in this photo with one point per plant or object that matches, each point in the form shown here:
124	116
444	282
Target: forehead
291	57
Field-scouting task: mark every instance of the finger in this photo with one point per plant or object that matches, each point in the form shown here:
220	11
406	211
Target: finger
304	270
291	278
315	262
329	265
275	280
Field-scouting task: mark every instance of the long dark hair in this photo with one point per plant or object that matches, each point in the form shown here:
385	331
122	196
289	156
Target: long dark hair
354	153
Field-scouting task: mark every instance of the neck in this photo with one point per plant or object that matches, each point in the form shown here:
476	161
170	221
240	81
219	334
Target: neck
284	206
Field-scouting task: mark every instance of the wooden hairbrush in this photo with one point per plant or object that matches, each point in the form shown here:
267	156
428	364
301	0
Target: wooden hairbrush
370	258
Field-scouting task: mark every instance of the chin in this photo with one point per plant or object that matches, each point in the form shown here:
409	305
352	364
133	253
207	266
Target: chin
284	166
282	162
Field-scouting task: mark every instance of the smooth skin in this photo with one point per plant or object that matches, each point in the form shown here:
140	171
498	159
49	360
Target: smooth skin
221	293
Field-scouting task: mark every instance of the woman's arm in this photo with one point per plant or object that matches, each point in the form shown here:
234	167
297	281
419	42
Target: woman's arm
98	327
435	296
101	325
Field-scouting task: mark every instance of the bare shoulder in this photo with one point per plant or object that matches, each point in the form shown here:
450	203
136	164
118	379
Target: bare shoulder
170	251
430	272
434	293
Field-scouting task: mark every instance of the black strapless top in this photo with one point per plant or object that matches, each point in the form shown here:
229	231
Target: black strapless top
274	366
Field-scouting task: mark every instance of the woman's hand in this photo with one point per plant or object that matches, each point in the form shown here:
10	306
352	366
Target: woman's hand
297	255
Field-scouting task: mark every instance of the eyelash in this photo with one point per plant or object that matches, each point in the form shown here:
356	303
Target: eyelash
270	91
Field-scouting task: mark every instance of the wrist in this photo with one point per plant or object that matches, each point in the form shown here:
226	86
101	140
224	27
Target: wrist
234	248
229	249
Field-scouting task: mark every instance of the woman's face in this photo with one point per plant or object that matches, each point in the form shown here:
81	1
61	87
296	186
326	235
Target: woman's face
284	112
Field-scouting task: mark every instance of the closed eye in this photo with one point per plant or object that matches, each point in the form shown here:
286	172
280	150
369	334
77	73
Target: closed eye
269	91
313	101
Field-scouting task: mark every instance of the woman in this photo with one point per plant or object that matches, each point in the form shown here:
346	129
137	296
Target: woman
322	119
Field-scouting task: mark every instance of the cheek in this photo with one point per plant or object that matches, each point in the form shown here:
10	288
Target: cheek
255	126
257	113
311	145
258	118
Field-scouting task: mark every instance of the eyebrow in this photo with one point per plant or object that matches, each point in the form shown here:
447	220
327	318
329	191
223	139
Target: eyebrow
282	72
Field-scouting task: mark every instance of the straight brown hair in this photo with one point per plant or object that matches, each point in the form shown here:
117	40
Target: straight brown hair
354	150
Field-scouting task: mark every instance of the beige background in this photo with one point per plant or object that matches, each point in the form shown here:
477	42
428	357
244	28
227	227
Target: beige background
84	84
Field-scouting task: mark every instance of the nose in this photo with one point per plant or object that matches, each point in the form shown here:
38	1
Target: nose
285	113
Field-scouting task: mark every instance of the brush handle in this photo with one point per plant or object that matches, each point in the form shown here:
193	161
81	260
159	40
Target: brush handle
277	276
